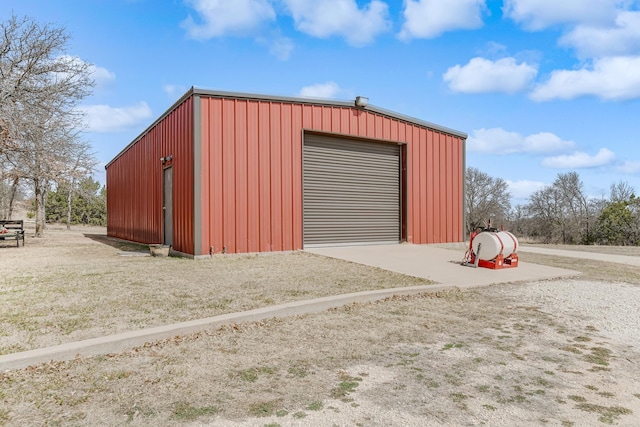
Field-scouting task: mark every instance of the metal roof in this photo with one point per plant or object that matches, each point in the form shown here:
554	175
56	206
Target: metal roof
194	91
323	101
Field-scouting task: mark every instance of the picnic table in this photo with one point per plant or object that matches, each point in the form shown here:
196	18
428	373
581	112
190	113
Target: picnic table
12	229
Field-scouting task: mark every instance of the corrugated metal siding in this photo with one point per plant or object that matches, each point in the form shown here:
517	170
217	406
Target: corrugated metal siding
134	183
351	191
238	134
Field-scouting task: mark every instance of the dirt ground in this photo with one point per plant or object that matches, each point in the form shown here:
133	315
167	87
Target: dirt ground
561	353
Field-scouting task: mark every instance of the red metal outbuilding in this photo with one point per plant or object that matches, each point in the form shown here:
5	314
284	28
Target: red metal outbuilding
233	172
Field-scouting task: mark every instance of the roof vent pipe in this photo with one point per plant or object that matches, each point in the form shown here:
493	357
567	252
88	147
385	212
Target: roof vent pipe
362	101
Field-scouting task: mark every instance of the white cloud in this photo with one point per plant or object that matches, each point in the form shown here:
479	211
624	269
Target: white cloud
621	38
580	159
104	118
539	14
174	91
101	75
280	47
223	17
615	78
425	19
500	141
522	189
483	76
629	167
343	18
320	90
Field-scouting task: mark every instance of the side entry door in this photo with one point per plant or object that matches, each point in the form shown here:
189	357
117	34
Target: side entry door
167	207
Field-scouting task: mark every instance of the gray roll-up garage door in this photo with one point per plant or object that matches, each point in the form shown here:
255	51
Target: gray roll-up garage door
351	191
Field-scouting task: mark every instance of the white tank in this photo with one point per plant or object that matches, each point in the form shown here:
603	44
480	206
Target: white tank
495	243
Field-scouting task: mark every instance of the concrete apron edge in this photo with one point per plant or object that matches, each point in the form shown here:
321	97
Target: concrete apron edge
126	340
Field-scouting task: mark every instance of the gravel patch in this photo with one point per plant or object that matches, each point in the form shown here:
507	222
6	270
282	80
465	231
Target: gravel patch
612	308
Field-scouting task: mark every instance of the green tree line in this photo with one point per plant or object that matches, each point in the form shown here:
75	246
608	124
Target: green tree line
84	202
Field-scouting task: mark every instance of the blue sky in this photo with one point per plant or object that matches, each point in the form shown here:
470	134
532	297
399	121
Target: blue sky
541	86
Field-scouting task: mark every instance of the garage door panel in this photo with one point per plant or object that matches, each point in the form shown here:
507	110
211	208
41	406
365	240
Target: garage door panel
372	179
346	208
353	197
359	168
351	191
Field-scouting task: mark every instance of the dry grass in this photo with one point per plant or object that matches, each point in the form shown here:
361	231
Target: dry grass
476	357
613	250
424	360
591	269
67	287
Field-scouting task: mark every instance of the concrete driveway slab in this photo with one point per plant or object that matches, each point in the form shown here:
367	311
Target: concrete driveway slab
438	264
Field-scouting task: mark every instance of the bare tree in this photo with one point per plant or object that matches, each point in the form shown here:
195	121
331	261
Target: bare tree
51	150
547	218
82	166
621	191
562	213
576	208
519	221
486	198
33	69
10	191
40	88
